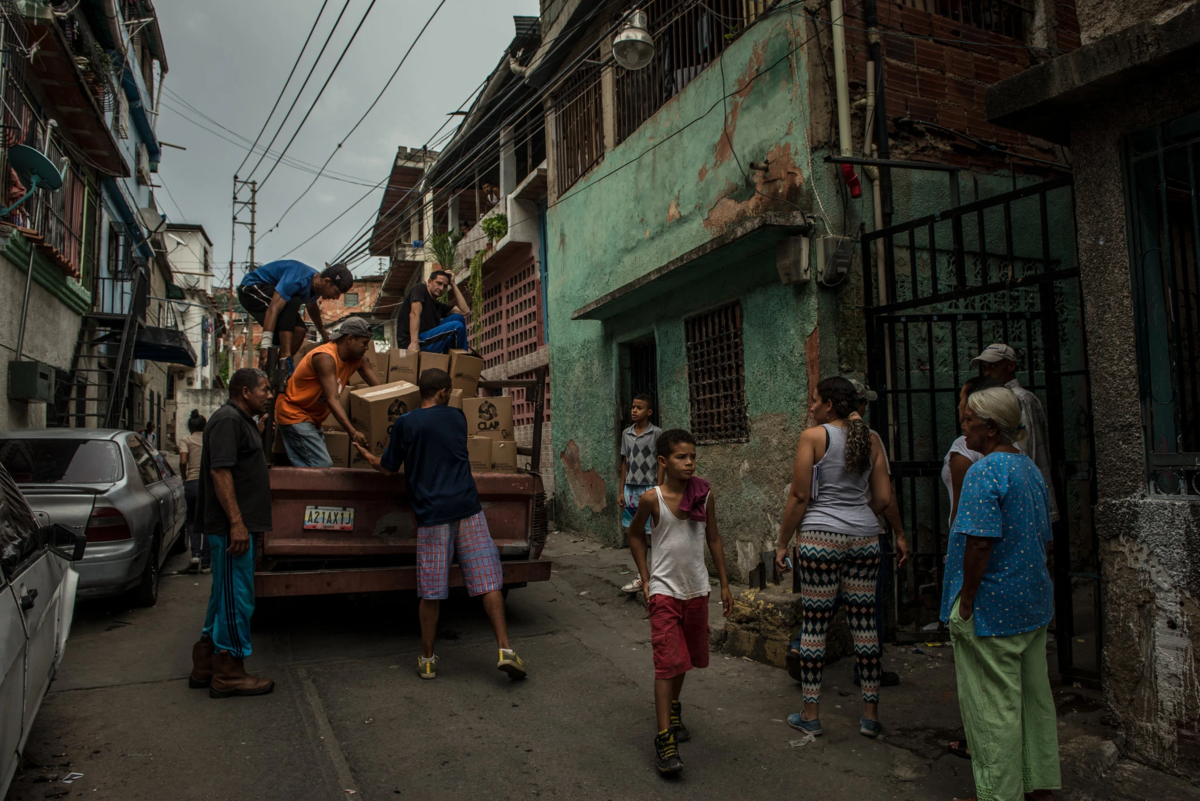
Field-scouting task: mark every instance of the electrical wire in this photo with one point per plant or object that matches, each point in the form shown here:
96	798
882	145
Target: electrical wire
317	99
300	92
370	108
283	91
294	164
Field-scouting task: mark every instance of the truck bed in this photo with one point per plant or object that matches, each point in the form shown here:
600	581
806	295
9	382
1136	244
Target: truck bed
378	551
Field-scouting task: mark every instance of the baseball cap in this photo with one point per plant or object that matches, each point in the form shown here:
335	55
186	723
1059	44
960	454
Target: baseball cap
862	391
340	275
995	353
352	327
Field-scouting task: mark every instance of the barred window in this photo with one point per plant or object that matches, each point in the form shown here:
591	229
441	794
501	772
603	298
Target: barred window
1005	17
716	375
578	125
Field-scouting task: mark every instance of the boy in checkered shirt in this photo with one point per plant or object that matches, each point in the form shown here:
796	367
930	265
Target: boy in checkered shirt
639	466
431	443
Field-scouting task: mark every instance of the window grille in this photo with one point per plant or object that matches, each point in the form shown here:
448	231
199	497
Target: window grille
350	299
716	375
1005	17
688	36
578	124
1162	179
121	116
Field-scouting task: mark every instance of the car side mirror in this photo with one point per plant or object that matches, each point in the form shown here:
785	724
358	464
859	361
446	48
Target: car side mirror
66	542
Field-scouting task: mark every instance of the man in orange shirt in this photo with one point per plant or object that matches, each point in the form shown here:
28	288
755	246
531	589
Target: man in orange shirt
313	390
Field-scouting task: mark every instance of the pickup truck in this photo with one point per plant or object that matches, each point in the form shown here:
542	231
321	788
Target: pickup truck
350	530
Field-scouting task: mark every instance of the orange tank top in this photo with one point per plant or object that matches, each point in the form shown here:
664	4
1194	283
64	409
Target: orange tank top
304	399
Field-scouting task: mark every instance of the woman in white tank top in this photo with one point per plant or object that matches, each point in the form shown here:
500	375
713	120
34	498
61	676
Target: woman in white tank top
835	464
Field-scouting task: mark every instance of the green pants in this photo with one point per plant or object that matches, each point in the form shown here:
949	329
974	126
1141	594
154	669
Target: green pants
1007	710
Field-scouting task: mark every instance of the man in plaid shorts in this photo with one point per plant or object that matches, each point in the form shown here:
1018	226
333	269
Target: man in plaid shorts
431	443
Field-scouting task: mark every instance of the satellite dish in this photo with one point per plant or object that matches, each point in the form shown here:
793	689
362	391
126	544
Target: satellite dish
151	220
632	47
31	165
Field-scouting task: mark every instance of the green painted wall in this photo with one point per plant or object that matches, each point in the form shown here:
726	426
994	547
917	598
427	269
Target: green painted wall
672	186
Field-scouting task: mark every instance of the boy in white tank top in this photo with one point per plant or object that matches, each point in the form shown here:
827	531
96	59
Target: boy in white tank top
676	587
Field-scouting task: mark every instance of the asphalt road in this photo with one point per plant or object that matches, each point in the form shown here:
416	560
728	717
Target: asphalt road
350	718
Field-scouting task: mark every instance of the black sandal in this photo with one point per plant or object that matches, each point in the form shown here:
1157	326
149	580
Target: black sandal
960	748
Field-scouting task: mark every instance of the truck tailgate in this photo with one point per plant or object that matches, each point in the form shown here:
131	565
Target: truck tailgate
383	523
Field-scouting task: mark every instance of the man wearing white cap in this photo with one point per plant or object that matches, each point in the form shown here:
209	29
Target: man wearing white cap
999	362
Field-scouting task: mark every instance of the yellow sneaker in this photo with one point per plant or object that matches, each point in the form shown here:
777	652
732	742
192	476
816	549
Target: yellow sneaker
511	664
427	669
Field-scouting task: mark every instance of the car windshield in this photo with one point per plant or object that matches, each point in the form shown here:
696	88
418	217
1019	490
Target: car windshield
61	461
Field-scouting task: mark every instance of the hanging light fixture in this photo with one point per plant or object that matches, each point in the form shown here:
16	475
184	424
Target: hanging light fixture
633	48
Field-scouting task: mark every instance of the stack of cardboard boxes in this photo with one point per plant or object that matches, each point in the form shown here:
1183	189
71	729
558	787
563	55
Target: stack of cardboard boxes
490	442
373	410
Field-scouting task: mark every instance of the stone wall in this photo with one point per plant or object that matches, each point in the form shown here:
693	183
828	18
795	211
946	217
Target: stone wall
1150	543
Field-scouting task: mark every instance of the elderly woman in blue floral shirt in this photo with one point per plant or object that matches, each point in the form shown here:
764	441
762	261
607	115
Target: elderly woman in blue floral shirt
998	599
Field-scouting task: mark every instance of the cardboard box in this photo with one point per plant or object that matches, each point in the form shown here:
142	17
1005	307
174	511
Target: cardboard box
504	456
378	360
304	348
374	409
465	371
402	366
492	417
358	462
435	361
337	442
479	451
456	398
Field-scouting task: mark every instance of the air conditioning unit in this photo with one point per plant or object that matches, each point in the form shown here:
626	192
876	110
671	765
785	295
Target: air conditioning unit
143	165
31	382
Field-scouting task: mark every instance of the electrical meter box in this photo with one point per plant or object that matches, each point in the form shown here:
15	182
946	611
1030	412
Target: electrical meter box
30	381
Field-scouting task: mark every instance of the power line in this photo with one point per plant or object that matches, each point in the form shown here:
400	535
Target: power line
293	163
300	92
282	91
317	99
371	108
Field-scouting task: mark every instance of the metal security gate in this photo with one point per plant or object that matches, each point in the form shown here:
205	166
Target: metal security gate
1001	269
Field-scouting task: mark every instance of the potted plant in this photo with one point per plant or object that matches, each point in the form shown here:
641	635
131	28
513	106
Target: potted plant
495	226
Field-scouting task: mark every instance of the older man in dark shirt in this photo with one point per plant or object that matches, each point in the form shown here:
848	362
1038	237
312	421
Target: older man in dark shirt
234	502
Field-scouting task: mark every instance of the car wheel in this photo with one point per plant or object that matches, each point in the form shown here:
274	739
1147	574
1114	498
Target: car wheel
146	593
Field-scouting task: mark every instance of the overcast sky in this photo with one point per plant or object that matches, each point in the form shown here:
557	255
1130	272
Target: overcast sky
229	59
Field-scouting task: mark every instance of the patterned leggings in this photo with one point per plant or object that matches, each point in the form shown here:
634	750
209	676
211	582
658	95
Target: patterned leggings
829	562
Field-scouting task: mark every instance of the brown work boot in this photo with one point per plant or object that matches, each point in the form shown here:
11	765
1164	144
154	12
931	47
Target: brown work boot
202	664
230	678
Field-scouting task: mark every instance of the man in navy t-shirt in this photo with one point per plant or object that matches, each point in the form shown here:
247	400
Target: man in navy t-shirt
431	444
274	293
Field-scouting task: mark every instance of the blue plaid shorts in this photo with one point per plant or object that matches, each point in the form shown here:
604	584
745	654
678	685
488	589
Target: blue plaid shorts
477	554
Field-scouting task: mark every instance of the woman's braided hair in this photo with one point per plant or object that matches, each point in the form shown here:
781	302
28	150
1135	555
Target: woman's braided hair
841	394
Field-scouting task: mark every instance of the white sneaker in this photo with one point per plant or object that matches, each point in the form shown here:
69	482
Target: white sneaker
633	586
194	565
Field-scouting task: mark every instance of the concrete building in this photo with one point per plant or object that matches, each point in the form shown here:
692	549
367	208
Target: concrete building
1126	105
92	260
189	251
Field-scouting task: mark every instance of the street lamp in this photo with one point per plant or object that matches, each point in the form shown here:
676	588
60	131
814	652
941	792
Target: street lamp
633	48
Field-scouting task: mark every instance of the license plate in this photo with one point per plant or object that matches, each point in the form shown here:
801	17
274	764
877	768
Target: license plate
329	518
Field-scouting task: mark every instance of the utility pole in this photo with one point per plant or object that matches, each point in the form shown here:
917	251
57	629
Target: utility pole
240	207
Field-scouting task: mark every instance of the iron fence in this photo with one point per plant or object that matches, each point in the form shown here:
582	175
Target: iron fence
578	124
1001	269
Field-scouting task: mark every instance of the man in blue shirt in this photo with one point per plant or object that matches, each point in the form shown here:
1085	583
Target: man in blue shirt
431	443
274	293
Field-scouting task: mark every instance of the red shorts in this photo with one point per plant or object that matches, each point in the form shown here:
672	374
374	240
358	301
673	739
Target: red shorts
678	634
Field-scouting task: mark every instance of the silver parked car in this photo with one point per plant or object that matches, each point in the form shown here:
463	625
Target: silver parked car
37	601
111	485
